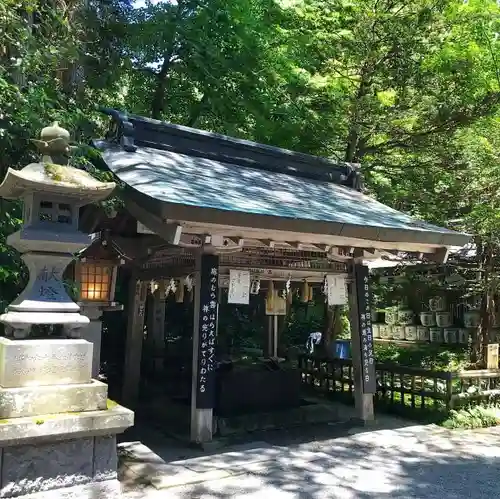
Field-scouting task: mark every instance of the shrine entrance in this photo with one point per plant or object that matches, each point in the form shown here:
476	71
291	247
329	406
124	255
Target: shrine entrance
212	222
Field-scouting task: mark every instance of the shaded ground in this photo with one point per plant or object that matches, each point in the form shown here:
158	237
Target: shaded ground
392	460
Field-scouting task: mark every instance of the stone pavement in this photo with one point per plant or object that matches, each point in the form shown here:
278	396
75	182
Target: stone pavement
397	461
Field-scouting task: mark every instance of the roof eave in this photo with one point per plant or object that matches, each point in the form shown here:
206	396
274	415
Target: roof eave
198	220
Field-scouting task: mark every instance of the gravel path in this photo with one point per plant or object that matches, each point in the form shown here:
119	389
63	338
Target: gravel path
405	462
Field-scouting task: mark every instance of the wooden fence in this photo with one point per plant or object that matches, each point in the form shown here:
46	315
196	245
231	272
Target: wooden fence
419	393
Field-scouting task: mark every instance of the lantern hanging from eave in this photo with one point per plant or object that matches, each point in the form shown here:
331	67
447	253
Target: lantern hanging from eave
95	275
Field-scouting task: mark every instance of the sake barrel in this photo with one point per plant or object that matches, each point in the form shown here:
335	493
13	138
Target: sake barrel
405	317
423	333
450	335
437	304
385	331
472	318
411	333
428	319
444	319
463	335
391	316
398	332
436	335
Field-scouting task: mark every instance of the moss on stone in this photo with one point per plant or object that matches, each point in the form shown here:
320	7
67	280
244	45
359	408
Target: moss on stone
111	404
60	173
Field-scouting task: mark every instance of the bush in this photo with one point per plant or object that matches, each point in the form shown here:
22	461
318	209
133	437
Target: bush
473	417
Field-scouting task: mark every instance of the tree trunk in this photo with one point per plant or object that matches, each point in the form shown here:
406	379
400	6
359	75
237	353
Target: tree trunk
158	102
487	309
332	328
353	138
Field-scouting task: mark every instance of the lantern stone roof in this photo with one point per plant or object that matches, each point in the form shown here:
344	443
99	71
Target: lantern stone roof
203	180
54	179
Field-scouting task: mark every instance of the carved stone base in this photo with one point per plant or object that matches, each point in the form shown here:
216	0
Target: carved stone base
27	469
62	456
95	490
44	362
54	399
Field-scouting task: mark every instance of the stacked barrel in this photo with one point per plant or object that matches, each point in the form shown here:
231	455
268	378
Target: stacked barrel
435	323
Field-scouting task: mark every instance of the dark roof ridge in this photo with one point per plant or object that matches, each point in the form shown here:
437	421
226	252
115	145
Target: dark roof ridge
132	131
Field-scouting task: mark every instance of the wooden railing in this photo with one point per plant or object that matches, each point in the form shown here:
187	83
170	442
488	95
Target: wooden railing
414	392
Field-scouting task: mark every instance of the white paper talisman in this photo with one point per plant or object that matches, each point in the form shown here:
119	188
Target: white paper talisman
336	289
239	287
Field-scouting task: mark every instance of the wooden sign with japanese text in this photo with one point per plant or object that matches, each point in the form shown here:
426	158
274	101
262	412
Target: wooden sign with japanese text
363	297
276	305
239	287
336	290
209	304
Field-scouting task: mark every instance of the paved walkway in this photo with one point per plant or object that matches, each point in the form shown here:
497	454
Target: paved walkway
393	462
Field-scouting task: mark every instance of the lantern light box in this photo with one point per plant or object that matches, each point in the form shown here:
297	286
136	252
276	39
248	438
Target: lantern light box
96	280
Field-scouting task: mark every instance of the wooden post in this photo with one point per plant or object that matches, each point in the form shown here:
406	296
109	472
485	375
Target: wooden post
275	336
492	356
361	336
133	345
269	335
156	326
206	307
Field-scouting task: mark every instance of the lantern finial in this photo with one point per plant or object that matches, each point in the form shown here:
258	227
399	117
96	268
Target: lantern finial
54	144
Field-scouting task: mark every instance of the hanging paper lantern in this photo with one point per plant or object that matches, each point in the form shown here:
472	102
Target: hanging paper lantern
255	286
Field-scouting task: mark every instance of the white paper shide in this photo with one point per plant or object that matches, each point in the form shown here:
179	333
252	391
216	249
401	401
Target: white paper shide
239	287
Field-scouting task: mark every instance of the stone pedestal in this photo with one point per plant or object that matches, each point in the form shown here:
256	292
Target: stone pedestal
93	334
57	427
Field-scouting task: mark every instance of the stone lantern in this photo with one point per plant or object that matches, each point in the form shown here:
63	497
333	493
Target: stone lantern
52	195
58	435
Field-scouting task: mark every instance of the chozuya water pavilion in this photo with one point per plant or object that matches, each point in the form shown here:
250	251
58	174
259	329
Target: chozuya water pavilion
205	204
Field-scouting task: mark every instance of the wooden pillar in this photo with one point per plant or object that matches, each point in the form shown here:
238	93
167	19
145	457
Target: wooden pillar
133	345
156	326
275	335
206	307
269	335
362	342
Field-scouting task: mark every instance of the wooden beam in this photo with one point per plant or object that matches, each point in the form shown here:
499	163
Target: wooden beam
216	240
170	232
439	256
239	241
268	242
324	247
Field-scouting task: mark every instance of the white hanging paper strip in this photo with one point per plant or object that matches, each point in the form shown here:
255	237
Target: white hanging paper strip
239	287
336	289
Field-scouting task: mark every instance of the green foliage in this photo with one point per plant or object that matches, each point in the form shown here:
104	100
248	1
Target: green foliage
12	270
426	356
473	417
